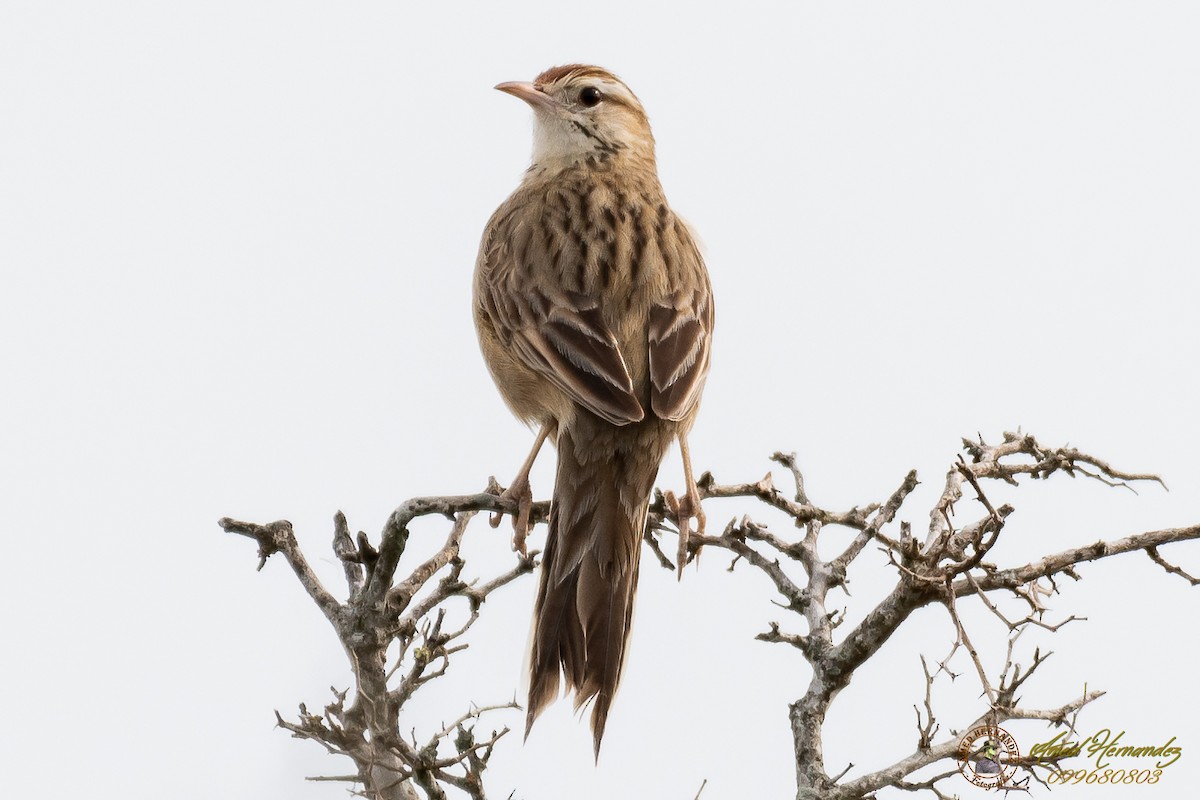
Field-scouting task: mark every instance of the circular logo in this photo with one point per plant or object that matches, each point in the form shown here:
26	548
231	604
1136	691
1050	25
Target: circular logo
987	757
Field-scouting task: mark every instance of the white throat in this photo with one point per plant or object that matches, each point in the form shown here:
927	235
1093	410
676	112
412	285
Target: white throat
560	143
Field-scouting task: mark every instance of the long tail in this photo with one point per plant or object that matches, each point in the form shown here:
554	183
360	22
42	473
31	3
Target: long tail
590	566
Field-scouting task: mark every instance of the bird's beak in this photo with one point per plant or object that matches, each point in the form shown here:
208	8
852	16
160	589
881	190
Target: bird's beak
539	100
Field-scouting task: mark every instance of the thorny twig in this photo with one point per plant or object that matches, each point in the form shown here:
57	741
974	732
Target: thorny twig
412	613
949	567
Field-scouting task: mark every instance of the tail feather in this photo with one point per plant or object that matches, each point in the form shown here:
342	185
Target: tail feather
589	574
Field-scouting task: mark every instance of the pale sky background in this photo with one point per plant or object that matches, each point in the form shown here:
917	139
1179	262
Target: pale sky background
236	241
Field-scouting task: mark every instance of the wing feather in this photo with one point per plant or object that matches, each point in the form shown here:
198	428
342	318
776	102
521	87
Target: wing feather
680	331
559	333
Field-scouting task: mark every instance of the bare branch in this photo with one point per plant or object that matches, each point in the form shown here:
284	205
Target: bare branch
399	596
652	542
929	785
395	532
1066	560
368	731
950	566
890	775
885	514
765	491
926	730
788	460
277	537
966	640
1152	551
348	554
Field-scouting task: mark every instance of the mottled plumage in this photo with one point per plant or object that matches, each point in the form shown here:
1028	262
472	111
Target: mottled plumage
595	316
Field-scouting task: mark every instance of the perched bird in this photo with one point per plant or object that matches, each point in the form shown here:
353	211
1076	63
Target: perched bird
595	317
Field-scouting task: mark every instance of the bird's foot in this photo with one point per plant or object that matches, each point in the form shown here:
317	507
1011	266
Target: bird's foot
521	494
684	511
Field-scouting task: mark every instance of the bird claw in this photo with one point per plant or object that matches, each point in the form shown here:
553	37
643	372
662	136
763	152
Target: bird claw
521	494
684	511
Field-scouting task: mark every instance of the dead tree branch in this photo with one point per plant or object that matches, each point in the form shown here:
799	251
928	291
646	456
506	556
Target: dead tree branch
412	612
949	567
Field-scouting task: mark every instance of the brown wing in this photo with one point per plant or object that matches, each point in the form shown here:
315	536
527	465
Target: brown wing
681	337
570	344
559	333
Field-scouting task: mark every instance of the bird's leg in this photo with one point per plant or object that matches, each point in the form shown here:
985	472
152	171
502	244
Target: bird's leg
687	508
520	492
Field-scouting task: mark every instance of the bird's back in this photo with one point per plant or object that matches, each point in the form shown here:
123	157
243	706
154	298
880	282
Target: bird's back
594	232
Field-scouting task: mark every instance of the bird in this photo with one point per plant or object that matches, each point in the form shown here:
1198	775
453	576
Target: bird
595	313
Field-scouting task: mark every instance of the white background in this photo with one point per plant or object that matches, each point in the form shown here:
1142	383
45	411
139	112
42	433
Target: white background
236	242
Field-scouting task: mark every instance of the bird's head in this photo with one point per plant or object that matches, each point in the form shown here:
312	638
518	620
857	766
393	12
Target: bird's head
583	112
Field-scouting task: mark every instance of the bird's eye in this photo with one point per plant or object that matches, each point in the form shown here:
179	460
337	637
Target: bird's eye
590	96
